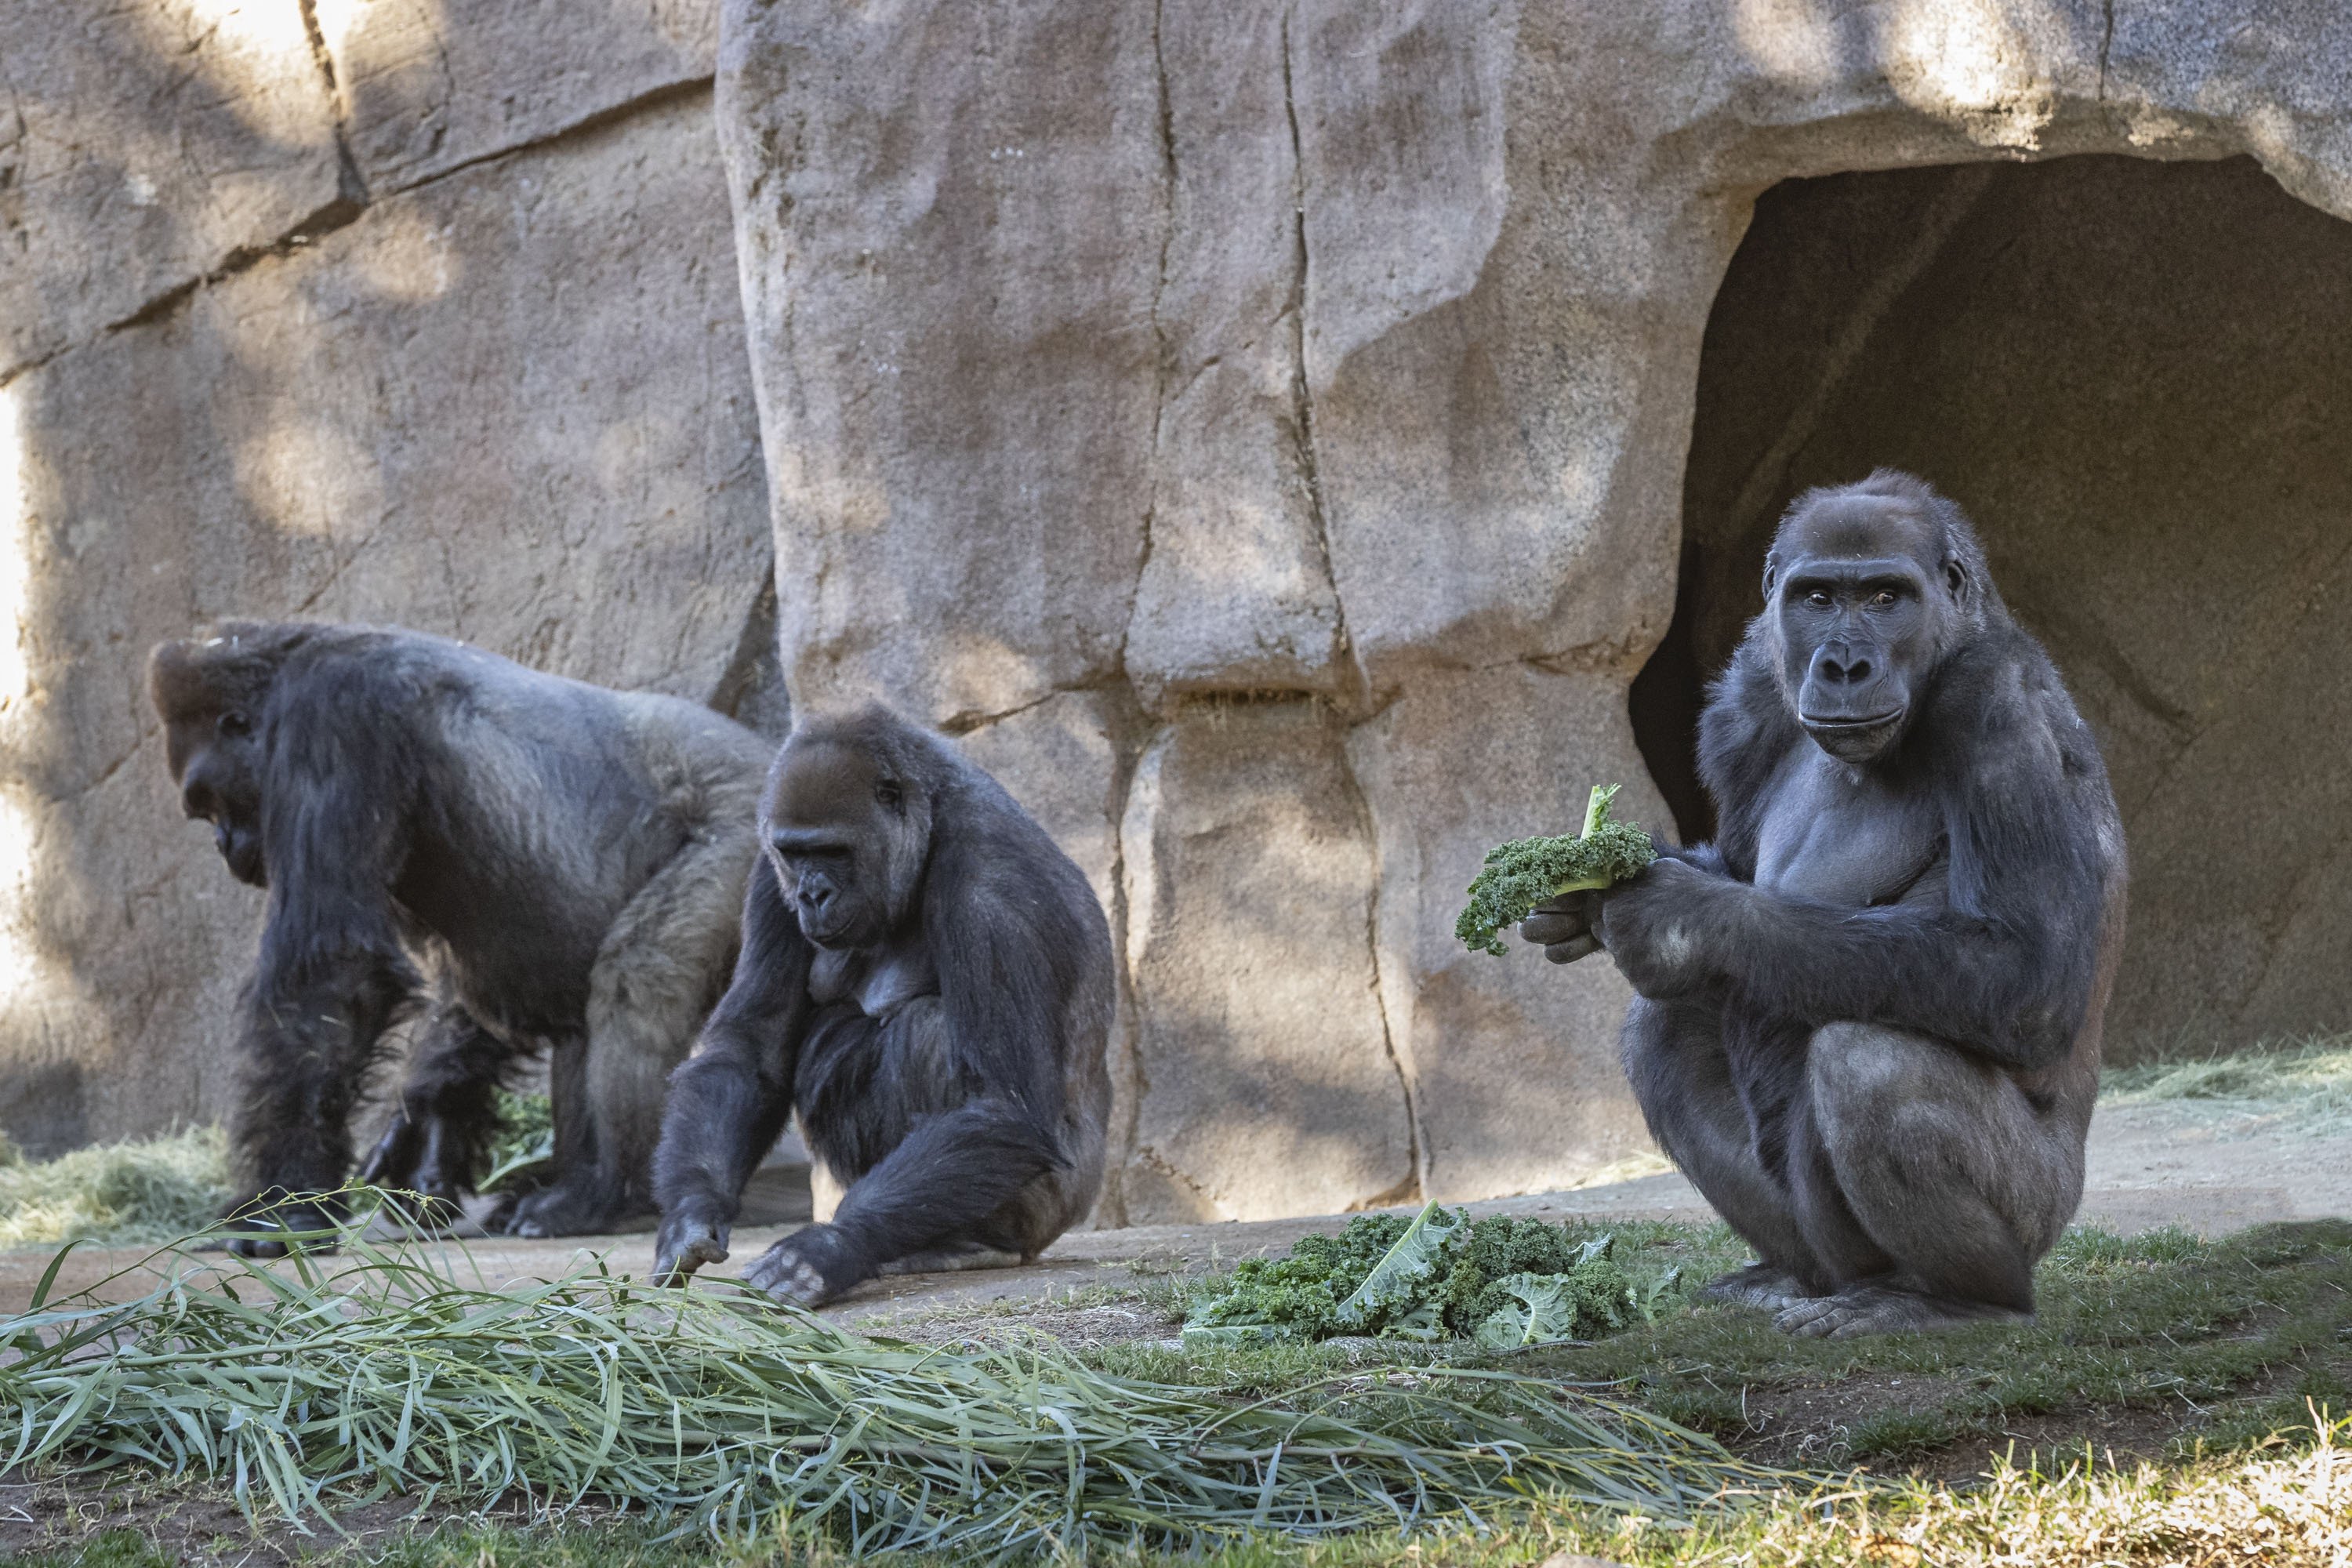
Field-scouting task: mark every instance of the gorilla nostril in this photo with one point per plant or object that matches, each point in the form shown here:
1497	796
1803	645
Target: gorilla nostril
1858	670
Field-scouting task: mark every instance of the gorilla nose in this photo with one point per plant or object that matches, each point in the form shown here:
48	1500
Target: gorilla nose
1841	664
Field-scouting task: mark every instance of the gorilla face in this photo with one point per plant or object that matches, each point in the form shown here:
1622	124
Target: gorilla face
1863	609
216	757
846	832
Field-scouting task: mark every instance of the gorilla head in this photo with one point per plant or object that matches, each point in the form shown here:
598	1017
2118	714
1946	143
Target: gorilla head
1866	589
210	690
848	826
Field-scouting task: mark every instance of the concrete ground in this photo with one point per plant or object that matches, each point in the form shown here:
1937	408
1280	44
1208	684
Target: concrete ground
2209	1169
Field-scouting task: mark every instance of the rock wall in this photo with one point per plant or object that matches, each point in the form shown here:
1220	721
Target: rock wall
1260	430
399	311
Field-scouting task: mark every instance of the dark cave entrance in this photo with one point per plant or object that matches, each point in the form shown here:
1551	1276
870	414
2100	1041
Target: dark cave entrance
2137	377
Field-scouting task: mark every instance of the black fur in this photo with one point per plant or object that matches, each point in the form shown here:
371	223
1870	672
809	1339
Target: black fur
943	1045
1868	1024
563	859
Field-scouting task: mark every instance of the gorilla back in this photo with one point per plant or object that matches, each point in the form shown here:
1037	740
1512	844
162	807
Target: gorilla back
565	862
1868	1020
928	980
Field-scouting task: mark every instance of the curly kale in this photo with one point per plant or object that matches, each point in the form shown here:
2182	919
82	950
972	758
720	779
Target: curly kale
1520	874
1506	1283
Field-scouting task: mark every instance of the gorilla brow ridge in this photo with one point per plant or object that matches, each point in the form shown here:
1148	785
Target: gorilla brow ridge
1955	536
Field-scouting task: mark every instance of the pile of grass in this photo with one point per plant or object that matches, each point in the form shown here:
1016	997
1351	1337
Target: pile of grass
2311	1078
130	1195
309	1390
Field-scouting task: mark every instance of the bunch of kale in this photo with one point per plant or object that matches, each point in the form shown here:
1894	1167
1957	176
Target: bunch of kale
1500	1281
1519	874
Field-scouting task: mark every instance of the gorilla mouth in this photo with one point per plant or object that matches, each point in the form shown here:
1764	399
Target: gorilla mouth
1854	740
1849	726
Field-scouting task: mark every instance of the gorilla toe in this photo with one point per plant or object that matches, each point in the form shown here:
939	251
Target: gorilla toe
1861	1310
1758	1285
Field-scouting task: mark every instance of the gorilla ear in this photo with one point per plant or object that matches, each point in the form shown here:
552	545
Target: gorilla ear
1956	578
1772	573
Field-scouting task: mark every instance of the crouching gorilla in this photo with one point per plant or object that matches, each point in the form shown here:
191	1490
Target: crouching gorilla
927	979
1868	1015
567	860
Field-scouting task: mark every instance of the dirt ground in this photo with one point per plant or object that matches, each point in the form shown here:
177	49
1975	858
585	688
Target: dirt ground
2209	1169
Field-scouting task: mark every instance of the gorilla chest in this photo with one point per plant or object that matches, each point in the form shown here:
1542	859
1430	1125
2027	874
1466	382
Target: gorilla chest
1843	836
878	981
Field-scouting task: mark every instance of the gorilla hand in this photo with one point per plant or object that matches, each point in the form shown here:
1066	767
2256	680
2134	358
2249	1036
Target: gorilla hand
392	1162
1563	927
807	1268
1647	925
690	1236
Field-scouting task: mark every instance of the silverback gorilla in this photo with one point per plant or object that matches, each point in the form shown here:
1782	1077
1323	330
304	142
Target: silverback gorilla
1868	1016
568	860
927	979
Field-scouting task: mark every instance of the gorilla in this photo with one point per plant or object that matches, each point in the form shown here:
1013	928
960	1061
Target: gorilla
565	860
1867	1020
926	980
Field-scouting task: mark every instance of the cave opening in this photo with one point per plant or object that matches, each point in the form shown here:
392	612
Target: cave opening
2137	378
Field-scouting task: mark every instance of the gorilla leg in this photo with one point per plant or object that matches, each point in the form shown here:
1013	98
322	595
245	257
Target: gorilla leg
447	1113
647	993
1946	1167
937	1175
1681	1076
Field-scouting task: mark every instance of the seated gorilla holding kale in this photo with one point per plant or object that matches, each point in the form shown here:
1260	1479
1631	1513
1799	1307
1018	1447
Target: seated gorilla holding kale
927	981
568	862
1867	1026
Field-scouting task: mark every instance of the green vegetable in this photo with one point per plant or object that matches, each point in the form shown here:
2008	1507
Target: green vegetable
1521	874
1440	1274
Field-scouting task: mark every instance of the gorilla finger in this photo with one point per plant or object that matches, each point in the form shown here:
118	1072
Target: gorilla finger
789	1278
1571	951
1548	929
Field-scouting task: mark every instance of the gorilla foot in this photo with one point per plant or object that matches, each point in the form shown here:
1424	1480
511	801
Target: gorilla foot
1861	1310
1761	1285
807	1268
575	1207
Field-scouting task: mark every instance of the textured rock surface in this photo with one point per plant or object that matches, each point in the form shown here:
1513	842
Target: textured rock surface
1269	1086
1340	359
430	84
142	145
511	405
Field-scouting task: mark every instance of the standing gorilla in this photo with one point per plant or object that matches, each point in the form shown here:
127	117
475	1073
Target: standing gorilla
926	980
568	858
1868	1022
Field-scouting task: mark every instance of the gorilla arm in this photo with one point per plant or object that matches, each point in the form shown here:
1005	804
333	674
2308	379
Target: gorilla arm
729	1101
332	976
2004	967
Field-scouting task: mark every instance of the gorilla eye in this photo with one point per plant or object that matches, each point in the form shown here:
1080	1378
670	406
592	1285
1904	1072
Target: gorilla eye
235	725
1883	600
1818	599
887	792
